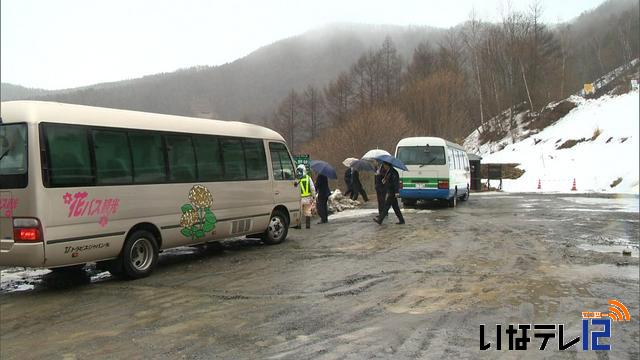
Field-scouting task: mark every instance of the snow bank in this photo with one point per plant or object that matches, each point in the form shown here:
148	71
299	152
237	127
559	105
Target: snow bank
608	163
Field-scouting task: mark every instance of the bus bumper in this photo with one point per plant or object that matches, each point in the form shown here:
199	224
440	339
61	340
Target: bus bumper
425	194
21	254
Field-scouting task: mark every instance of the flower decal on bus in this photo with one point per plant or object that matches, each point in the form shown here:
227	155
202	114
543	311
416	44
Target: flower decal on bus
197	218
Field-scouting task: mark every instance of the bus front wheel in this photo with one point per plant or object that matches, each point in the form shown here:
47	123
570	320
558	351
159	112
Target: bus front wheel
277	230
465	197
139	256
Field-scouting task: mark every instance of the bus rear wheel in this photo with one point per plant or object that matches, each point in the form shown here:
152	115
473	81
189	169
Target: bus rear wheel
139	256
277	229
409	202
453	201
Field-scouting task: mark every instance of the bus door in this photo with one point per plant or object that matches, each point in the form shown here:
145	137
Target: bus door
285	184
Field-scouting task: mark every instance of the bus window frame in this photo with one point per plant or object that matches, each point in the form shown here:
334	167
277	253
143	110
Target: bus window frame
19	181
45	159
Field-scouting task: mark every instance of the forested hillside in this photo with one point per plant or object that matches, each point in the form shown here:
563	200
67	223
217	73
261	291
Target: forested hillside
451	87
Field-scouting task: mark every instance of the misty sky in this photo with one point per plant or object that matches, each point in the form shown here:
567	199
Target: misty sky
54	44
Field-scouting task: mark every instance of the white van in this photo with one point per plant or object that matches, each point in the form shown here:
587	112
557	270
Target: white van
438	169
83	184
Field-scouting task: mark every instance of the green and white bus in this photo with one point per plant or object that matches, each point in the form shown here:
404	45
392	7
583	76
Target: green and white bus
83	184
438	169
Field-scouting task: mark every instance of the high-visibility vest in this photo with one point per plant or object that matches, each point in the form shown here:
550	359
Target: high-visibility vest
305	186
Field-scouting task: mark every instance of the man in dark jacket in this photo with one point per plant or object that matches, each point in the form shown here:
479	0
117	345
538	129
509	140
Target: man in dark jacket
380	190
391	182
349	181
322	188
357	186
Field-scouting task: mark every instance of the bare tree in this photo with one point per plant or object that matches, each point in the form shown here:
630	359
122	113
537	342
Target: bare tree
471	36
339	98
312	104
287	118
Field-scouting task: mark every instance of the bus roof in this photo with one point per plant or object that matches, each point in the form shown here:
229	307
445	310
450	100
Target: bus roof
427	140
45	111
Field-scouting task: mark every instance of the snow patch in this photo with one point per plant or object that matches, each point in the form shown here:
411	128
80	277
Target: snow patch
606	163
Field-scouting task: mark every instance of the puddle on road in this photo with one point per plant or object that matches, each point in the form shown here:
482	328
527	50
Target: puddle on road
617	204
591	272
611	249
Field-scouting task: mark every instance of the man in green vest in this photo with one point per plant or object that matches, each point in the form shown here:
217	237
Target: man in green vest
307	192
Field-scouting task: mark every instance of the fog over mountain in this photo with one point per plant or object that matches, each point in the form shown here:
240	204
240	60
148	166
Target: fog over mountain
249	88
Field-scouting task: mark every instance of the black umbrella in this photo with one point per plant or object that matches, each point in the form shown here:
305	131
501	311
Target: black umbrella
362	165
323	168
396	163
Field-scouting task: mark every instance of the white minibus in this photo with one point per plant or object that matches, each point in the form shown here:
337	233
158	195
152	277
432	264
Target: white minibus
83	184
438	169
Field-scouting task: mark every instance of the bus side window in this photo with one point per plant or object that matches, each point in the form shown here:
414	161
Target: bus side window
256	159
148	157
182	161
113	158
281	162
70	160
234	162
209	158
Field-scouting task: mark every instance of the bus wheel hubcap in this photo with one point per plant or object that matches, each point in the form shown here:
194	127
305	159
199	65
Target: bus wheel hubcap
141	254
276	228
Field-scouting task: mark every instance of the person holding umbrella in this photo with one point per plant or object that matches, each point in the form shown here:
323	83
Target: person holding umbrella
379	186
307	192
323	190
391	184
357	186
325	172
348	181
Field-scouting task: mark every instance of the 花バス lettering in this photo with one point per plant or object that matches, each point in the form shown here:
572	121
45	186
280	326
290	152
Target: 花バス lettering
80	205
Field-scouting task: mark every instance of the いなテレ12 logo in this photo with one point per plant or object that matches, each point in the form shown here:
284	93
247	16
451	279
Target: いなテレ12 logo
618	312
596	328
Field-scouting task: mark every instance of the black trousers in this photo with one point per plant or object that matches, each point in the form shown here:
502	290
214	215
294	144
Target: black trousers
380	194
391	202
322	207
359	190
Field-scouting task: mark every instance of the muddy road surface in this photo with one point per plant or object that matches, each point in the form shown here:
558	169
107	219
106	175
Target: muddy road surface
352	289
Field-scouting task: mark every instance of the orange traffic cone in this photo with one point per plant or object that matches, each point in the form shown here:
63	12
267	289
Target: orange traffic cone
539	185
573	188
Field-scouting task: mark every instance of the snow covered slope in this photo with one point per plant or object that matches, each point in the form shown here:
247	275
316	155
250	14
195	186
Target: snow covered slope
603	156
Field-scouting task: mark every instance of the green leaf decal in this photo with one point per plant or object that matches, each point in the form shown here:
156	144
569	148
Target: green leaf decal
208	226
186	232
199	233
186	207
209	217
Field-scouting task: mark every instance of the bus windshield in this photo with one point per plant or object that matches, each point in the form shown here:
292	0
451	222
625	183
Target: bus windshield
422	155
13	155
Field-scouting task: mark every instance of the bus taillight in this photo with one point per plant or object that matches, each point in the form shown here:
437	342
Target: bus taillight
443	184
27	230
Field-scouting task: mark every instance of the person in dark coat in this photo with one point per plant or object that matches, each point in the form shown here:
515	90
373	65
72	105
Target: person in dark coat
349	181
391	182
357	186
380	190
323	191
